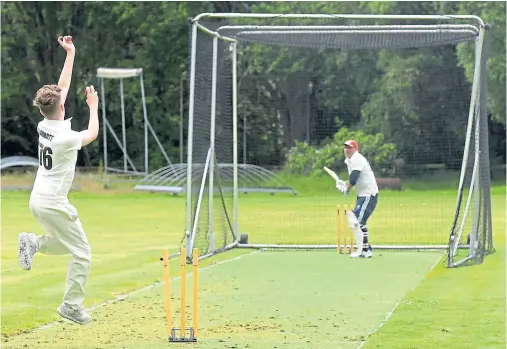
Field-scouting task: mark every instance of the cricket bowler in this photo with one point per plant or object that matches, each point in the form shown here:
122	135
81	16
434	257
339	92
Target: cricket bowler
58	146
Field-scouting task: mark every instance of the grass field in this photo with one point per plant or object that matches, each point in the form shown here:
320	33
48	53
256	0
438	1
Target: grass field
252	299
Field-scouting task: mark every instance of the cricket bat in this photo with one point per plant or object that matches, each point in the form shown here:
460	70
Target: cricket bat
332	173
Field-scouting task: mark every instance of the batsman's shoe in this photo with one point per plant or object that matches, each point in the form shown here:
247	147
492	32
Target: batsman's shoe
367	254
80	317
356	254
27	246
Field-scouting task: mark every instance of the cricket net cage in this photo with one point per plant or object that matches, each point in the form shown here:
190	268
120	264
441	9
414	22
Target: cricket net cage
269	89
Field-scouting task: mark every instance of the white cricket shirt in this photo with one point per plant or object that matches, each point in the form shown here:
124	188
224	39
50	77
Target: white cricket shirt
58	146
366	184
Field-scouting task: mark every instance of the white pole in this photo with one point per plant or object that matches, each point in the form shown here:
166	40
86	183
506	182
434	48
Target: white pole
145	116
104	128
190	138
235	209
212	143
336	16
191	235
123	130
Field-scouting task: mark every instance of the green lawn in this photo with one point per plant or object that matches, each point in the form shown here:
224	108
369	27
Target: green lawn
248	302
127	231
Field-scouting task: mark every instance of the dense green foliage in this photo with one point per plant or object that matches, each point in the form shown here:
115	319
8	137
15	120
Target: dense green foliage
306	159
388	93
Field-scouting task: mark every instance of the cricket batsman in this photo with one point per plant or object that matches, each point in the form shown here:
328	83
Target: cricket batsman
362	179
58	146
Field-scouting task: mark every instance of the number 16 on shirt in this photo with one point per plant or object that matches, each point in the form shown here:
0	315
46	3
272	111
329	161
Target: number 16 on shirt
45	158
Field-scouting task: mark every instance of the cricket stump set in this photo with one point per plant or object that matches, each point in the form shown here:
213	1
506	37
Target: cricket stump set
343	231
342	227
172	331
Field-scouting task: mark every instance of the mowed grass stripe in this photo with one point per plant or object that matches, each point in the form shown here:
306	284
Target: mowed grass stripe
303	297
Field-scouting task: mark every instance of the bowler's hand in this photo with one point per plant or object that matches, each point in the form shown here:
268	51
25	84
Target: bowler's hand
66	43
92	99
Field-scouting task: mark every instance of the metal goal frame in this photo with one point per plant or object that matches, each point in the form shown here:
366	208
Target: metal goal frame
474	23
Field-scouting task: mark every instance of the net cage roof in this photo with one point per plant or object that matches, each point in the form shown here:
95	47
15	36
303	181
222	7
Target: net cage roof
312	31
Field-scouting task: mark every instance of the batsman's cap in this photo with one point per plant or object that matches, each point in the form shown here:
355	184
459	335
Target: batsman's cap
351	143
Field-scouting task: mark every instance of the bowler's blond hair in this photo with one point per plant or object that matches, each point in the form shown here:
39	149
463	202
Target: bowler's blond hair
48	99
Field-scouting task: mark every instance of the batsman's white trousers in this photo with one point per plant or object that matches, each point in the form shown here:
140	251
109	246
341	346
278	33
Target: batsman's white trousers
65	232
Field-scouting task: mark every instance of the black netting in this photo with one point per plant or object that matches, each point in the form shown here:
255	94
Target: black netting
216	233
479	233
296	99
357	39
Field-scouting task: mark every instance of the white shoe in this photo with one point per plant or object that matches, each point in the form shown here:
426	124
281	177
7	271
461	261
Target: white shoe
27	246
80	317
356	254
367	254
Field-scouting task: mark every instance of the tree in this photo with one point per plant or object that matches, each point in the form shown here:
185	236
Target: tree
493	13
287	94
153	36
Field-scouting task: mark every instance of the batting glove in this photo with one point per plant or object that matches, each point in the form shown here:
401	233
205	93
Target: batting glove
342	188
340	182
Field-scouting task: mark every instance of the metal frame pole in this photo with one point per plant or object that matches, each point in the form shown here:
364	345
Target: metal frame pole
123	130
235	208
190	138
182	106
212	144
145	116
336	16
104	128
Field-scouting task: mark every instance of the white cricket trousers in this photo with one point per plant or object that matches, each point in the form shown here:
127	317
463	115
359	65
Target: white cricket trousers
65	232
